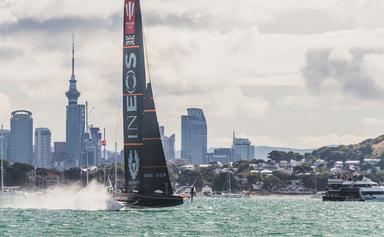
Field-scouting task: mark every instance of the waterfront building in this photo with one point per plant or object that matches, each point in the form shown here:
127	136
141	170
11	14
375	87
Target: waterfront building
222	155
20	146
42	154
168	144
75	121
242	149
194	136
4	138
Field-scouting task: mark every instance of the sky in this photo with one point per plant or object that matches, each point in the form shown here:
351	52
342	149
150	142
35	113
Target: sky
293	73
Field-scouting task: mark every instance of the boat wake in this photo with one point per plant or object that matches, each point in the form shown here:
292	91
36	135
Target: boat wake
94	197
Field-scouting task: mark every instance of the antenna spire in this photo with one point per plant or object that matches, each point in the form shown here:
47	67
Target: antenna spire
73	55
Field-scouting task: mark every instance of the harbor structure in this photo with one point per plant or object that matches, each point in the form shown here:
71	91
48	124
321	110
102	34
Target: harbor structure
5	136
75	120
168	144
242	149
21	138
42	153
194	136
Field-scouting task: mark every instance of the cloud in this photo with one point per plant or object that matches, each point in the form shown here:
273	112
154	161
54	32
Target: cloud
354	71
372	121
5	105
329	139
14	11
302	142
239	61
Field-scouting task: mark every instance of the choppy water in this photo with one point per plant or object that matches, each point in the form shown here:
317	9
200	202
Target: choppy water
260	216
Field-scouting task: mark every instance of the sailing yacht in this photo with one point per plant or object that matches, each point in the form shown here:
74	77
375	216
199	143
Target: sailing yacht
147	182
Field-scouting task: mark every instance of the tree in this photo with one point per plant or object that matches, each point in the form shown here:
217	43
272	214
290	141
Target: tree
270	181
187	177
73	174
284	156
16	174
220	183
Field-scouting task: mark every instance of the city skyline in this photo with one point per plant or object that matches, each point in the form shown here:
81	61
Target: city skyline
265	59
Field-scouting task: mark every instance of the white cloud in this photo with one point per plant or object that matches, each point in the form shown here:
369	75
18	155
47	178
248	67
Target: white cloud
329	139
13	11
5	106
372	121
355	71
202	54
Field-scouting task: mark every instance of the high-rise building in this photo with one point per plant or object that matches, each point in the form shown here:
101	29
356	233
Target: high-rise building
242	149
20	149
168	144
58	155
75	122
42	153
194	136
4	141
93	146
222	155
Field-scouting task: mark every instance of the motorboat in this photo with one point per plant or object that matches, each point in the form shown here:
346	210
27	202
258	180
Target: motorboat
363	189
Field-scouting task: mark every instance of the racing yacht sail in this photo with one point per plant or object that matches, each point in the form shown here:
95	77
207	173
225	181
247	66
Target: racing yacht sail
147	182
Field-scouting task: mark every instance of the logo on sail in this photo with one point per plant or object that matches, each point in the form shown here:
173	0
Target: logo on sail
130	40
129	17
133	163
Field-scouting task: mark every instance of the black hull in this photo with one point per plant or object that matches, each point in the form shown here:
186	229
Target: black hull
340	199
344	194
140	200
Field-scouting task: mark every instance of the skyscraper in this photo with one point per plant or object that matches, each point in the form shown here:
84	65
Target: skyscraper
168	144
4	140
58	155
20	149
42	153
194	136
223	155
242	149
75	122
92	147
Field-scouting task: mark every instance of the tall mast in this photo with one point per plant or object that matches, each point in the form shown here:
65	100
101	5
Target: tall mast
229	179
73	55
86	151
115	165
104	144
2	160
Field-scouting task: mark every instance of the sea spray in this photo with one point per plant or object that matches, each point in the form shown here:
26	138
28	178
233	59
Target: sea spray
70	197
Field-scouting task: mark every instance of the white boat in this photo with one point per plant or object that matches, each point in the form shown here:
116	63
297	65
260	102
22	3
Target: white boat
206	191
12	191
228	195
373	194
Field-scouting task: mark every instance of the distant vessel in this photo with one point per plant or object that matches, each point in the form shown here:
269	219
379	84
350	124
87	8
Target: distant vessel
353	190
206	191
228	193
147	182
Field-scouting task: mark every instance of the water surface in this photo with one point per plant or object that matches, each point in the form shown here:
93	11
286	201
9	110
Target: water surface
259	216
